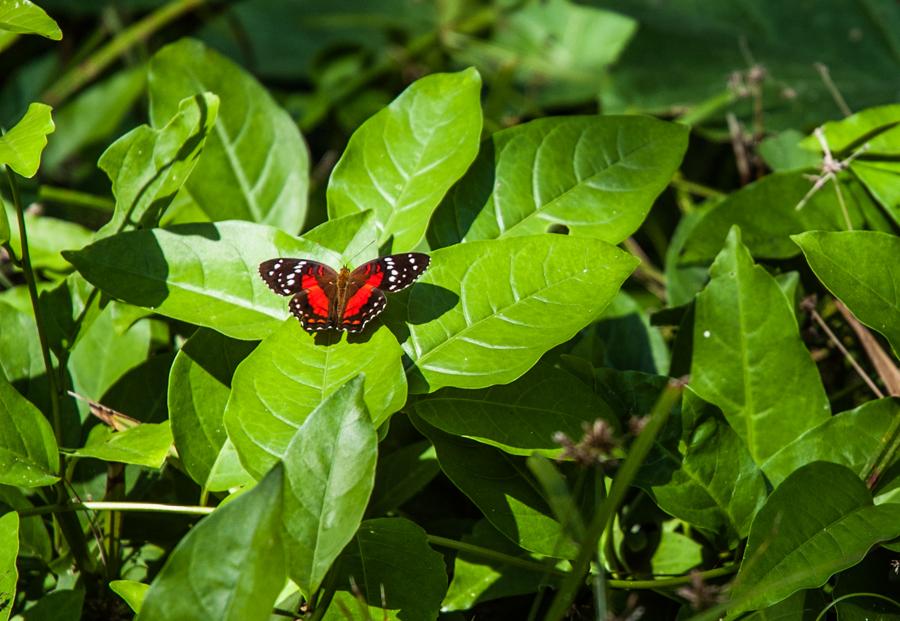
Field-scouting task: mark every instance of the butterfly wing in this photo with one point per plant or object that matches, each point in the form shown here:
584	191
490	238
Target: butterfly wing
311	283
365	298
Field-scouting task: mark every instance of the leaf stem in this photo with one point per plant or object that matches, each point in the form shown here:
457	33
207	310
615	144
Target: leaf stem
622	481
487	553
663	583
692	187
65	196
77	77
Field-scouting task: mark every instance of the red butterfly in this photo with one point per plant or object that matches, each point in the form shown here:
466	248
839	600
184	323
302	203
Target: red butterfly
325	298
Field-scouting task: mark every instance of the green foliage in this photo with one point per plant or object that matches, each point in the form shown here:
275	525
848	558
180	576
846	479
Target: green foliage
651	369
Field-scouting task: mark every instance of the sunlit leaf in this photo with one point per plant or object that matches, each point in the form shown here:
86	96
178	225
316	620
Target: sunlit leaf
28	453
21	146
25	17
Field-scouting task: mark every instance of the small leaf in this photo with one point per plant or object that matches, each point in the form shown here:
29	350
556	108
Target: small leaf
132	592
402	161
229	567
329	473
485	312
397	573
288	376
844	133
9	550
782	152
60	605
861	268
21	146
28	453
882	179
520	417
25	17
255	164
48	238
147	444
148	166
675	554
819	521
401	475
199	387
748	356
597	176
204	274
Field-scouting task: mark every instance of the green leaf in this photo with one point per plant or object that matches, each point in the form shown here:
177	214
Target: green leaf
597	176
25	17
230	566
861	268
329	473
853	439
501	487
520	417
61	605
9	550
683	282
288	376
34	541
819	521
782	152
477	579
255	164
485	312
21	146
397	573
402	161
675	554
204	274
20	346
400	475
882	179
4	223
28	453
700	471
199	387
148	166
93	115
147	444
749	359
48	238
847	132
767	232
131	591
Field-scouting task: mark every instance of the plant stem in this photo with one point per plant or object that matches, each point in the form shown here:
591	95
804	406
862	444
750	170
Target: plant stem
117	506
692	187
91	67
603	517
65	196
506	559
663	583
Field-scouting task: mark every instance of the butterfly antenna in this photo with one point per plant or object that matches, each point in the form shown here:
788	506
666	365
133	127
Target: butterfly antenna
360	251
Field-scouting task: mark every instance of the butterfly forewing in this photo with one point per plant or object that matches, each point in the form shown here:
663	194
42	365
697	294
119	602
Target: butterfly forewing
289	276
394	273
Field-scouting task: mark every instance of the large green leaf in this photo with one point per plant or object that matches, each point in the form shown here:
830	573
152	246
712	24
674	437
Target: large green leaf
204	274
28	453
289	375
402	161
255	164
485	311
21	146
199	387
520	417
502	488
701	472
853	439
819	521
748	356
597	176
395	571
329	473
25	17
9	550
148	166
862	268
230	566
845	133
144	445
766	211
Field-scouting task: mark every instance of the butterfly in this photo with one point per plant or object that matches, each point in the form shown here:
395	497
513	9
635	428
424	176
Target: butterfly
342	300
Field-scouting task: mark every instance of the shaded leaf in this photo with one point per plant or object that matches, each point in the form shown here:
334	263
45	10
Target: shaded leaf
60	605
48	238
597	176
255	164
400	475
25	17
329	473
402	161
230	566
9	550
21	146
34	541
28	453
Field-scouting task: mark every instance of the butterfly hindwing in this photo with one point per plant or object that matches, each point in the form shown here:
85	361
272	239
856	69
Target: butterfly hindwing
310	316
392	273
363	304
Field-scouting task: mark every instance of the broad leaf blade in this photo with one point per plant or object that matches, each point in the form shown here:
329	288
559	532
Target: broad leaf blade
485	312
255	163
862	268
400	475
28	453
21	146
131	591
402	161
204	274
229	567
819	521
329	474
9	550
25	17
595	176
147	445
289	375
749	359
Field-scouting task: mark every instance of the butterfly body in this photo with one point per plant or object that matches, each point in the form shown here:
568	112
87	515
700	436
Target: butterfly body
325	298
